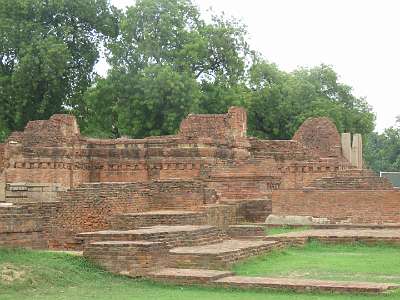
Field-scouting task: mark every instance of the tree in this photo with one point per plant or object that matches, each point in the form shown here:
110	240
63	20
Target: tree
382	151
165	63
282	101
48	49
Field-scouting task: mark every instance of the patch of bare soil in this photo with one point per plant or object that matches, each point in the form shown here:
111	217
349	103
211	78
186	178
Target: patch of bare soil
10	273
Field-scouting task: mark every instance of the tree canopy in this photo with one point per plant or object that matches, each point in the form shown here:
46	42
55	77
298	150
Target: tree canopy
165	61
382	151
47	53
281	102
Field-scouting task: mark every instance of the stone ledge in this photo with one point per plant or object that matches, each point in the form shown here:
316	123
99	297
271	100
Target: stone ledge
305	284
188	276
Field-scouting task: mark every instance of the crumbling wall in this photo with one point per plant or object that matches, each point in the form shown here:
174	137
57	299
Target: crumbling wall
223	127
339	206
1	157
91	207
26	224
320	136
2	177
45	152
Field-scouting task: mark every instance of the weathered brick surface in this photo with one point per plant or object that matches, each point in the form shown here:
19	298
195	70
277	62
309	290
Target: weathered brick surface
218	256
152	218
246	231
188	276
339	206
172	236
210	167
26	225
320	136
302	285
92	207
131	258
340	236
1	157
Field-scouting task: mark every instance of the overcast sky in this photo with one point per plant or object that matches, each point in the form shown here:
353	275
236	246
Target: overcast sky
359	38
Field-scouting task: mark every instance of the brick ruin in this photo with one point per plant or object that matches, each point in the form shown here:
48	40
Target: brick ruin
61	190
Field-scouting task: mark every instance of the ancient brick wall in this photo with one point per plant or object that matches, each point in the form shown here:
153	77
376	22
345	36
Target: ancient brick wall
53	152
320	136
224	127
2	177
26	224
1	157
339	206
209	158
91	207
45	152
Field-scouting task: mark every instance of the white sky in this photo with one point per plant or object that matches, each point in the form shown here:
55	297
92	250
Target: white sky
359	38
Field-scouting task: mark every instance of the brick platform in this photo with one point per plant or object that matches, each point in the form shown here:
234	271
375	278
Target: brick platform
172	236
246	231
368	236
304	284
218	256
162	217
131	258
188	276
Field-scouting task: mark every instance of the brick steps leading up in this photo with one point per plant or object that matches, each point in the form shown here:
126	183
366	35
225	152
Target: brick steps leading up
188	276
218	256
304	284
172	236
152	218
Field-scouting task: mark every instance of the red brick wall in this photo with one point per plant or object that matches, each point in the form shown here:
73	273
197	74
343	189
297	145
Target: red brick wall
350	206
320	136
225	127
90	207
1	157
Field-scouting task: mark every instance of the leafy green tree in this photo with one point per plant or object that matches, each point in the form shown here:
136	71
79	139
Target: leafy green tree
48	49
165	63
281	101
382	151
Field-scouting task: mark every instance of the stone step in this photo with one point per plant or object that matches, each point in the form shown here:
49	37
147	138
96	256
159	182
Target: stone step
152	218
172	236
218	256
335	226
188	276
246	231
337	236
304	284
131	258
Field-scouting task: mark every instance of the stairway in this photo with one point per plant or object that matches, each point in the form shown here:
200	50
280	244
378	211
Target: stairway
142	243
153	218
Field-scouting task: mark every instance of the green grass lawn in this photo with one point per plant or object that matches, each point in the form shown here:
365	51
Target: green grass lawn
45	275
332	262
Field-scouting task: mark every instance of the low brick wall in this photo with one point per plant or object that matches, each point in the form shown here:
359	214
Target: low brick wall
25	225
128	258
339	206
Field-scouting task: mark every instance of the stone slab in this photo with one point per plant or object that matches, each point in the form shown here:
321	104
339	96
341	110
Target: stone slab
226	246
305	284
188	276
369	236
